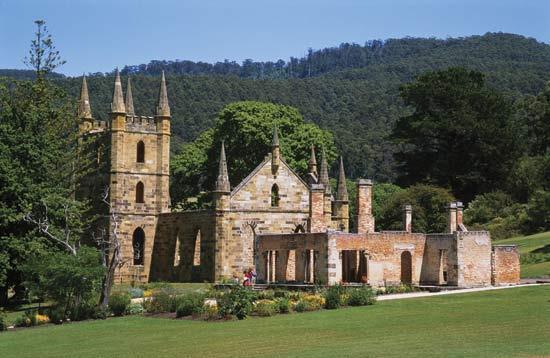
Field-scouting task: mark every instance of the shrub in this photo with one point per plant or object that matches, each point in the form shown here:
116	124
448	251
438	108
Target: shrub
266	295
22	321
134	309
295	296
237	302
316	301
135	292
281	294
3	320
57	314
265	308
283	305
41	319
210	312
361	297
119	302
161	301
189	304
101	312
81	311
333	297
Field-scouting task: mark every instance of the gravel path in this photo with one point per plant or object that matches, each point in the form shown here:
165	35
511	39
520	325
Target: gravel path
398	296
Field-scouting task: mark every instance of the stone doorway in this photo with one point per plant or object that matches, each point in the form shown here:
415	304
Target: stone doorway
406	268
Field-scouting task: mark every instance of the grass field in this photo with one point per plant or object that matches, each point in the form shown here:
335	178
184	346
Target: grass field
528	244
510	322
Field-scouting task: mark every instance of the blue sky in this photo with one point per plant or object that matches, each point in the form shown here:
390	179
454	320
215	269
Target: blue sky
99	35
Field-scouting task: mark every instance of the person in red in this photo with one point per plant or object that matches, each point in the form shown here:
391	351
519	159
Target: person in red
247	279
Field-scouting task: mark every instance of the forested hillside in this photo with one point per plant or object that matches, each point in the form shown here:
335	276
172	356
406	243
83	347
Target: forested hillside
351	89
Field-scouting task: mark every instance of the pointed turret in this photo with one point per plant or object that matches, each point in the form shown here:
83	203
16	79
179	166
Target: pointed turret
342	190
312	163
163	108
117	104
323	175
129	99
275	152
84	109
222	183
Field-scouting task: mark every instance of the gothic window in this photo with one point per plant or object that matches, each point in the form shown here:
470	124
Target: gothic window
197	252
177	252
140	152
275	195
138	244
139	192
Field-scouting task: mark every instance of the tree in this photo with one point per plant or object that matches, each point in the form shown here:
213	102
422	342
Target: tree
247	129
460	134
43	56
38	167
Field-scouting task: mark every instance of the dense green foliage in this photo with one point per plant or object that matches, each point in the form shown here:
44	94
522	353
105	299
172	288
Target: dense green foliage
472	324
189	304
119	302
357	100
428	209
71	281
459	129
237	302
247	131
37	173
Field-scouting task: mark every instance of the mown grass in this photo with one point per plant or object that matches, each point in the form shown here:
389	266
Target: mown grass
509	322
534	245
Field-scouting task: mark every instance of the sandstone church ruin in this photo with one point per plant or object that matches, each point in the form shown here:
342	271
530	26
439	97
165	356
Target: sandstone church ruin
290	229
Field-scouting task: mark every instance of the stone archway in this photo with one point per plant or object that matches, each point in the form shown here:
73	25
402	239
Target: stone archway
406	268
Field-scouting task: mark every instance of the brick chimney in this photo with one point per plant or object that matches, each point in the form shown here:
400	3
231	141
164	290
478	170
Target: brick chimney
407	218
365	220
459	214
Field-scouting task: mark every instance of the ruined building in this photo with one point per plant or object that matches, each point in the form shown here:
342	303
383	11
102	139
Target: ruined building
290	229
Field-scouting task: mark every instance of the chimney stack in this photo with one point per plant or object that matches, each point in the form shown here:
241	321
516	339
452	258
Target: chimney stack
407	218
365	220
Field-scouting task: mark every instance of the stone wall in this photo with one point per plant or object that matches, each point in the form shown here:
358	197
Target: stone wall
251	212
185	247
506	265
440	260
473	258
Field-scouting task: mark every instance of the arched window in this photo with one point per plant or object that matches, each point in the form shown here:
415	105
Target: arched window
139	192
138	244
275	195
197	252
177	251
140	152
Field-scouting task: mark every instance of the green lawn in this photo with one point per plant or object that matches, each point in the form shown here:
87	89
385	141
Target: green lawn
529	244
509	322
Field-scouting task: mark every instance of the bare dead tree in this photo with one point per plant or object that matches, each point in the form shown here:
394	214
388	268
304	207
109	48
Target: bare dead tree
110	248
64	238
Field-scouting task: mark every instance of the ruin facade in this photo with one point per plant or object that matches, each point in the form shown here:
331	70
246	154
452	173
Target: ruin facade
290	229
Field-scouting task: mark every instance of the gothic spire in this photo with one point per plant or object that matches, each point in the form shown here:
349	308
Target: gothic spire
117	104
342	194
323	175
222	183
129	99
84	109
312	163
163	108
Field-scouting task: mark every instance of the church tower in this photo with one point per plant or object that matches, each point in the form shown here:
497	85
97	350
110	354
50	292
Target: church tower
139	177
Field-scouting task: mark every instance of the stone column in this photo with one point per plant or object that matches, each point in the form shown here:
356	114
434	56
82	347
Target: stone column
281	264
300	270
459	214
